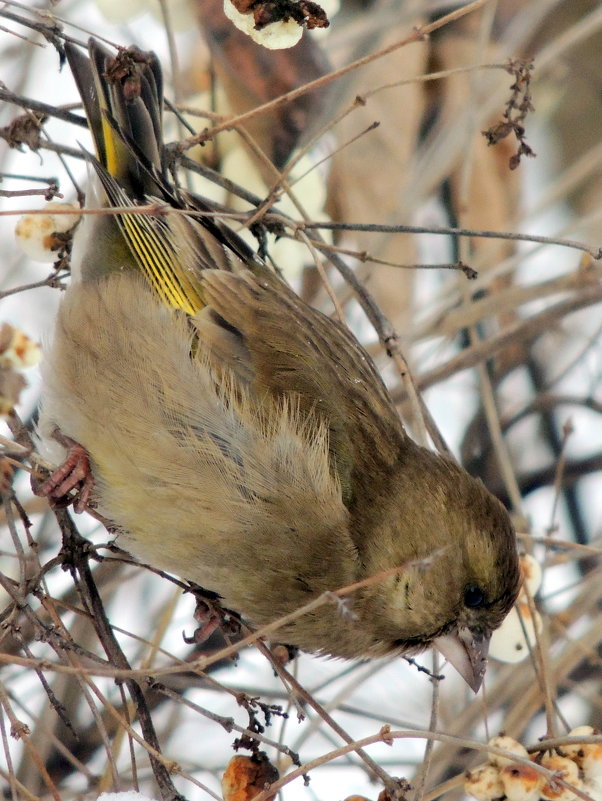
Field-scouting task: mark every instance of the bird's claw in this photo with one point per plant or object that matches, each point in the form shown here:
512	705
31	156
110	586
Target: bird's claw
74	474
210	616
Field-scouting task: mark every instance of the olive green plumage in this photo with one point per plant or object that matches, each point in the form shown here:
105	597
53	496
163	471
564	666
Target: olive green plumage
243	440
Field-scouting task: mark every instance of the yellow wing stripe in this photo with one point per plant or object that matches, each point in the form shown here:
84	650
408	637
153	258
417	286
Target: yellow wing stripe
111	147
161	258
158	259
175	272
150	261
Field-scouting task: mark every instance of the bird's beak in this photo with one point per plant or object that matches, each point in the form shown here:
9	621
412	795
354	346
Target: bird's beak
467	652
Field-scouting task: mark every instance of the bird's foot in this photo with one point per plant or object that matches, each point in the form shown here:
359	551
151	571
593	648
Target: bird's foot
210	616
74	474
208	620
283	654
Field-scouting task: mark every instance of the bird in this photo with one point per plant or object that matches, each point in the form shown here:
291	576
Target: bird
239	438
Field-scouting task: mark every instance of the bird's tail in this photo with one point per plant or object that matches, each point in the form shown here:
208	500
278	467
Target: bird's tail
123	100
122	96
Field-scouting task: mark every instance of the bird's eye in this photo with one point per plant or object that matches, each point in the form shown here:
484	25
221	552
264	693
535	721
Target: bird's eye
474	596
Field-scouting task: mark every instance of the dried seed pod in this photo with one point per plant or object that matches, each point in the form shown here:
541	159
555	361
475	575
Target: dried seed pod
506	743
275	36
484	783
246	776
508	642
521	782
40	236
576	751
531	570
566	770
17	350
592	762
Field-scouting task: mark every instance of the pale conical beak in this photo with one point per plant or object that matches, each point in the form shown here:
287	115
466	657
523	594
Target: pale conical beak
467	653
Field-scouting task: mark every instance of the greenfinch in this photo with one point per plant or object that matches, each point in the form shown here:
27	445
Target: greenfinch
240	439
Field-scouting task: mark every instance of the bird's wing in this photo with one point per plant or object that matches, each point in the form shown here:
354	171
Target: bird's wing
278	346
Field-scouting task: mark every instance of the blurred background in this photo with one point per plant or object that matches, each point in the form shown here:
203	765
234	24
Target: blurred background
497	355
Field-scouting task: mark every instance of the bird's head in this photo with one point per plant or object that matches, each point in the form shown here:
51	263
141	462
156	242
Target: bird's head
459	573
